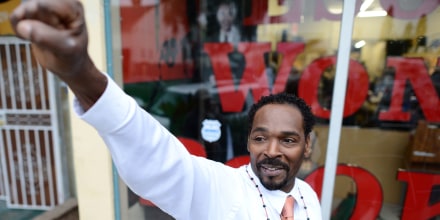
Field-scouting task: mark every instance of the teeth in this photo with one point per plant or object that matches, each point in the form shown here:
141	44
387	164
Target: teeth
271	168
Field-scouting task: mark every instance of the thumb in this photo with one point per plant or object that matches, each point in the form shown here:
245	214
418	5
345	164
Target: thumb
24	30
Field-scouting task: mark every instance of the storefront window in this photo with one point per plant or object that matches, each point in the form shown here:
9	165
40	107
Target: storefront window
198	65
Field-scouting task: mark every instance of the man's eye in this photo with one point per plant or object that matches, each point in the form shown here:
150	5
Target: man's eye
289	141
259	139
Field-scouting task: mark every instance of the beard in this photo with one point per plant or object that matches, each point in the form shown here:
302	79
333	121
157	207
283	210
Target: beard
273	185
269	182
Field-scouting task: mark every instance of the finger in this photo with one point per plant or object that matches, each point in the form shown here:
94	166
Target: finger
49	38
58	13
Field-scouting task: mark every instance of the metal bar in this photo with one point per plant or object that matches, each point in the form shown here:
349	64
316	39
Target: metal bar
109	60
26	111
29	207
40	168
12	168
41	86
2	82
30	166
4	187
4	172
19	146
12	40
26	128
55	137
10	77
20	76
49	167
32	93
337	107
25	86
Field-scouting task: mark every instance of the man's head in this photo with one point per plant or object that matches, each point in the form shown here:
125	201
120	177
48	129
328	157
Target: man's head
226	13
279	139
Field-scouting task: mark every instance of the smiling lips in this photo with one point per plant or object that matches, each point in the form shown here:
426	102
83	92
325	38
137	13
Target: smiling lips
271	170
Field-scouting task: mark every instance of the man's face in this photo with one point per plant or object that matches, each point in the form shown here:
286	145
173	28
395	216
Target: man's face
277	145
225	17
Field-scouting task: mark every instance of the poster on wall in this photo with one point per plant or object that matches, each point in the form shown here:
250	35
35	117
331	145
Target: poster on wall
165	40
173	52
6	8
153	40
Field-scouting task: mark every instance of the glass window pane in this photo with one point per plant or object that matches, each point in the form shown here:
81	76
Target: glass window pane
197	66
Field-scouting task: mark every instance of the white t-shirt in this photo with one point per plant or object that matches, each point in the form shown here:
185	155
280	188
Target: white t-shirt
157	167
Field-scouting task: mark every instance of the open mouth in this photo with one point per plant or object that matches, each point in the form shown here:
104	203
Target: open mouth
270	170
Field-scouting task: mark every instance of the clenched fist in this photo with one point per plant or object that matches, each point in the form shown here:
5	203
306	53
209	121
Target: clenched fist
58	33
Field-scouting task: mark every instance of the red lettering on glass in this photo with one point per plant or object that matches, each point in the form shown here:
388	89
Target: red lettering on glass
369	195
258	13
254	77
418	192
233	99
289	52
414	71
309	84
394	9
260	8
357	89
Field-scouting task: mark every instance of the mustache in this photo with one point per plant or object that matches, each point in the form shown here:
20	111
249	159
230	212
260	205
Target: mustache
274	162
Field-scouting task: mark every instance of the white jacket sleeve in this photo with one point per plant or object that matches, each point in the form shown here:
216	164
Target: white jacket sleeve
150	160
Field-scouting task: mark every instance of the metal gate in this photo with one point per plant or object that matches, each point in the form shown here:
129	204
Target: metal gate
30	157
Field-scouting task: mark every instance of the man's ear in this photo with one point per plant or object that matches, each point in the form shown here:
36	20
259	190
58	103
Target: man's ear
308	148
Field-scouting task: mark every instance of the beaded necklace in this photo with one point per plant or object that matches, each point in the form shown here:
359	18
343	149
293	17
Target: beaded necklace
262	199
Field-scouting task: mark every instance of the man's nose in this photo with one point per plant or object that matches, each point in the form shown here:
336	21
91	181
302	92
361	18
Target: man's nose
273	148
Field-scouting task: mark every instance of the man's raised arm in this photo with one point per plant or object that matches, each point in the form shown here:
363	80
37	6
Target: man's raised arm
58	33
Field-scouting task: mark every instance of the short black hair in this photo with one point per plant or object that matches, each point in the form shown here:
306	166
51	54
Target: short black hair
285	98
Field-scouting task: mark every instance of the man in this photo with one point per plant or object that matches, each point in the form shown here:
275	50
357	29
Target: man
152	162
228	32
226	15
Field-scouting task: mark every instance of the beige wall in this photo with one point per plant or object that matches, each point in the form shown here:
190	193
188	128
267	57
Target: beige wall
92	162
